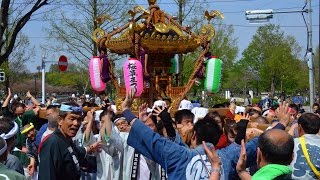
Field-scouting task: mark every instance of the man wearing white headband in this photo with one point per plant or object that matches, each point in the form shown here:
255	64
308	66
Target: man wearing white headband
108	159
60	158
6	173
8	131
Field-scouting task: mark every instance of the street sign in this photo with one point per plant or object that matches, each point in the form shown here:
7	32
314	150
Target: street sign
63	63
259	16
265	11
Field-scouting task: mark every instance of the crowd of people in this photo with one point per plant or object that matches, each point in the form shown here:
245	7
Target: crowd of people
77	142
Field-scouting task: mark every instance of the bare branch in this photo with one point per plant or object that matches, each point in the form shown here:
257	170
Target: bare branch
19	25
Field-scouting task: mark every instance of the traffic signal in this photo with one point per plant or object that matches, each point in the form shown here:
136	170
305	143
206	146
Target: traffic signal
2	76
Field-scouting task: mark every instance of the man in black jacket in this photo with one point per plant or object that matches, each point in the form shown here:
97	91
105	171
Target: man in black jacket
59	157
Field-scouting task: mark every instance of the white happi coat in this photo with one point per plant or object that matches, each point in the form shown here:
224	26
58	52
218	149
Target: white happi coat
109	160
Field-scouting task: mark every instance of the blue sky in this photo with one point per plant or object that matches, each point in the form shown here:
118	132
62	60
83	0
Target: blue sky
234	12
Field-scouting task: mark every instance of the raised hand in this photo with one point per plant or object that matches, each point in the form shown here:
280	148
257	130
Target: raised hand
283	114
158	110
9	93
143	110
88	119
89	116
126	104
242	162
28	95
143	114
7	101
212	155
245	116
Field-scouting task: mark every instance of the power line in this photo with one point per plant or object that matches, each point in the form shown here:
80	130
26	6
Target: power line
139	4
284	26
226	12
130	4
236	25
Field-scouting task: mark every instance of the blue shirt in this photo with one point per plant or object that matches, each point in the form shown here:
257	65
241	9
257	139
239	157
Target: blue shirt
40	133
182	162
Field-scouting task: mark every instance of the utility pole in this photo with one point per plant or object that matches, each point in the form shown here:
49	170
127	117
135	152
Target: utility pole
310	57
43	80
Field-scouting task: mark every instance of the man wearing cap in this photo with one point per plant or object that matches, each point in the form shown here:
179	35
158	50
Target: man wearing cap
5	172
32	149
59	157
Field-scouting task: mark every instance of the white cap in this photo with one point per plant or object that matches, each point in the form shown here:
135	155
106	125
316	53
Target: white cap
73	95
159	103
185	104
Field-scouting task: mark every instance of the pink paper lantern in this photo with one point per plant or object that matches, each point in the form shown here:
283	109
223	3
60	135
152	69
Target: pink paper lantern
133	76
95	74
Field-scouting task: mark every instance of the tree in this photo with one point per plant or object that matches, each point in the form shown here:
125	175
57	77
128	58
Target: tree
14	66
73	29
239	79
187	16
76	76
273	57
20	14
191	13
224	46
21	54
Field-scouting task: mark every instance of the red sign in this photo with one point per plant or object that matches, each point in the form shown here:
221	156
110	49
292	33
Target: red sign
63	63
